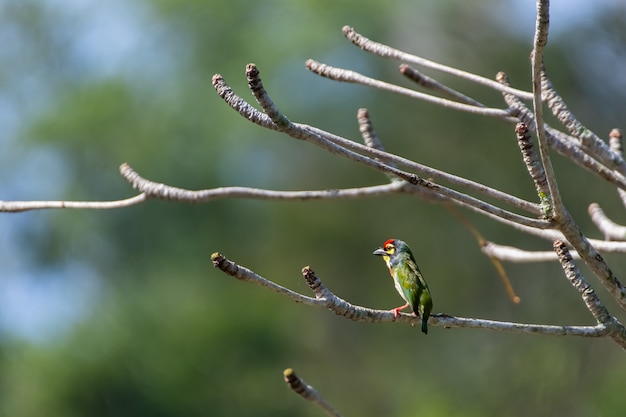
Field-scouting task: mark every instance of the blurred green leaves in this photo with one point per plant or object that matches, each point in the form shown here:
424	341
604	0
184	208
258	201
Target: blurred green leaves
170	336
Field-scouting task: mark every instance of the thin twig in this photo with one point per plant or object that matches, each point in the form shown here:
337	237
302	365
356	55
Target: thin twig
370	138
348	76
167	192
502	326
611	230
617	146
432	84
551	235
588	140
19	206
572	273
264	100
307	392
386	51
513	254
617	332
594	260
535	168
244	274
495	213
615	141
539	43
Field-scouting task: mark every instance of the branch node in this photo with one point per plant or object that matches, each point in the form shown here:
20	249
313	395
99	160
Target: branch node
294	382
313	281
220	262
260	94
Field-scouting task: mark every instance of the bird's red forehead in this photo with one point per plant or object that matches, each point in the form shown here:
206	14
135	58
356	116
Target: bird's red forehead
388	242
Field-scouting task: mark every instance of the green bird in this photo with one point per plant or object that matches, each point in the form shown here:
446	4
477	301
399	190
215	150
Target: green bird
408	279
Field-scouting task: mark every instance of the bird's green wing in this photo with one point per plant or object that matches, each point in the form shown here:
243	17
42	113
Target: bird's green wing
417	290
417	279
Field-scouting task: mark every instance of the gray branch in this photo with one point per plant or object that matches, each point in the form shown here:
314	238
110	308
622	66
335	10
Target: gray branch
326	298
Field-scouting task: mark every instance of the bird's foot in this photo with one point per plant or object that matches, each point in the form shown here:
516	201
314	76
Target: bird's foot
396	311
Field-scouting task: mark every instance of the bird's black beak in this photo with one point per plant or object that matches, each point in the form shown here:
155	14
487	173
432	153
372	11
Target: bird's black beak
379	252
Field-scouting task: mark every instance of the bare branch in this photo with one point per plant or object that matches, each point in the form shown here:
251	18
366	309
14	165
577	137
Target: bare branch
594	260
566	223
607	246
579	282
535	169
240	105
434	173
264	100
587	139
495	213
19	206
326	298
617	332
561	142
322	139
370	138
611	230
540	41
616	145
430	83
513	254
308	392
305	132
389	52
615	141
167	192
551	235
348	76
244	274
503	326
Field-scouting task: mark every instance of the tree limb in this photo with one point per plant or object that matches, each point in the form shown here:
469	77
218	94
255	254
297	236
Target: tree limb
617	332
19	206
349	76
326	298
322	139
386	51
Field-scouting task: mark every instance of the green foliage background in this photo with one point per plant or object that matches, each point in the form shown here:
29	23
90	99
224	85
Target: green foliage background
166	334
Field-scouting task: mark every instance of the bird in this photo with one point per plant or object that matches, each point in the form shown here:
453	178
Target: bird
408	279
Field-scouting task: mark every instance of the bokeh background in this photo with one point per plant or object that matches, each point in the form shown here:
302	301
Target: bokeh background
120	313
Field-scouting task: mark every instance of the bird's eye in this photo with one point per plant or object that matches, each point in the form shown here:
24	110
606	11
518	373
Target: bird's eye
389	247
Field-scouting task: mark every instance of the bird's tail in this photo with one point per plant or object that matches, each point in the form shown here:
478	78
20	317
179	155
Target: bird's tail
424	324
